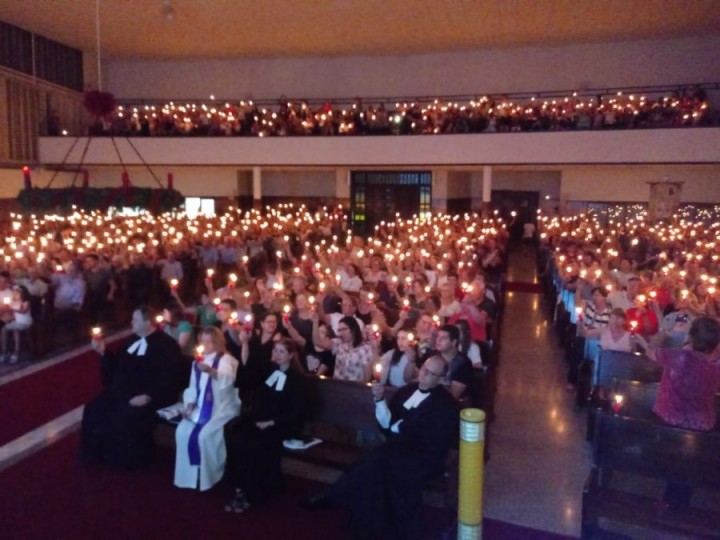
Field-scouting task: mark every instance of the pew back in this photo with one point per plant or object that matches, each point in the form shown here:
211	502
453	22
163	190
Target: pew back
629	366
652	449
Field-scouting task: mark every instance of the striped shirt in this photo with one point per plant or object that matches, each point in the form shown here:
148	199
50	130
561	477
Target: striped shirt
596	319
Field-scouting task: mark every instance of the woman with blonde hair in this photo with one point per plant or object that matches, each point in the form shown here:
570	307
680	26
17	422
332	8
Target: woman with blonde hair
210	401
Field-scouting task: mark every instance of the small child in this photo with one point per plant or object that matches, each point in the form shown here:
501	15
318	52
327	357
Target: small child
22	320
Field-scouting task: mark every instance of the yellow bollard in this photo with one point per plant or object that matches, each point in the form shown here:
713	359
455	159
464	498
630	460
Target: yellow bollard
471	473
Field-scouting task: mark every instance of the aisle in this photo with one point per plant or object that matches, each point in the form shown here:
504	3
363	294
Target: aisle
539	457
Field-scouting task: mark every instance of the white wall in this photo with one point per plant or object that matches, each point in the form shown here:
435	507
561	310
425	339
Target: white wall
701	145
300	183
618	183
525	69
701	183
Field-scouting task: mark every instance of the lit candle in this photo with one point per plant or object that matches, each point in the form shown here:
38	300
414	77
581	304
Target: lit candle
232	280
210	272
248	322
174	284
378	372
617	403
160	321
96	333
286	313
6	301
199	350
579	313
311	300
633	327
406	305
653	294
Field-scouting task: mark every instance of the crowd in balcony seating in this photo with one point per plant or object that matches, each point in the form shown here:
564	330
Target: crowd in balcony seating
687	107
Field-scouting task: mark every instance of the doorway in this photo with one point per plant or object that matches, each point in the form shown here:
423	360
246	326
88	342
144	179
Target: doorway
377	196
524	204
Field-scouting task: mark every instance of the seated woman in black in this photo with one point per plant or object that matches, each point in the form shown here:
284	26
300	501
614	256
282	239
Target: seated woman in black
255	354
255	445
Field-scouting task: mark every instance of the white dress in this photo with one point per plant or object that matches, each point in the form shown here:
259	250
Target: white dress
226	405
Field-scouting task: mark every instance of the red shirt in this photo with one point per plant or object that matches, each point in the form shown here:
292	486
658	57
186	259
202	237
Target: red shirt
686	397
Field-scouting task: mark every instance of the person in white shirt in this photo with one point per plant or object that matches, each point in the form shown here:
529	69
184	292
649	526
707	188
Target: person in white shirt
210	401
625	299
398	364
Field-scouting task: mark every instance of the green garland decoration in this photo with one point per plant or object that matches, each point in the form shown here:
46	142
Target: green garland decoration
153	199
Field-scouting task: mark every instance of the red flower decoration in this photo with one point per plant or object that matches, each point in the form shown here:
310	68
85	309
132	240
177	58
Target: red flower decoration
99	103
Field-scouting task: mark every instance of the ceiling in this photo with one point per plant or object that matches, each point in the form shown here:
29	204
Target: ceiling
285	28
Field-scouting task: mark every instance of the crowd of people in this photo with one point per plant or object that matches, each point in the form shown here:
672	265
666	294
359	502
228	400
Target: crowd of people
235	309
647	288
687	107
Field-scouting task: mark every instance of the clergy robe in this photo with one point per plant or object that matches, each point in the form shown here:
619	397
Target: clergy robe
210	437
255	454
116	432
383	492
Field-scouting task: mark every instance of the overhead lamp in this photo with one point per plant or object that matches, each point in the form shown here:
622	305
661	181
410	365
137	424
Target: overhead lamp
168	11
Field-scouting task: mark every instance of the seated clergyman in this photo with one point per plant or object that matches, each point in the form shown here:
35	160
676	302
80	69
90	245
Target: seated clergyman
139	379
383	491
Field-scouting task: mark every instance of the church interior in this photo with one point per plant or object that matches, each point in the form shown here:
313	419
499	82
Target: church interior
359	269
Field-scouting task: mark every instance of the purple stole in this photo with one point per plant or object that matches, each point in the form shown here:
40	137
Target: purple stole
205	412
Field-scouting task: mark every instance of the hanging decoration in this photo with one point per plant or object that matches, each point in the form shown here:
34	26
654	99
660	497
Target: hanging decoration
63	199
100	105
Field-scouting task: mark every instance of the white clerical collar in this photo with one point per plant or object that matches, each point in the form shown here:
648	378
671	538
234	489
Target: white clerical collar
139	347
276	379
416	399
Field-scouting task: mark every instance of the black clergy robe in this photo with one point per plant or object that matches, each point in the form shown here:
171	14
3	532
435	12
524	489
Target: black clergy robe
254	455
383	492
115	432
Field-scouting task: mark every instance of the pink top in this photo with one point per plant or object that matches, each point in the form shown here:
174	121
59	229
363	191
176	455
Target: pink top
686	397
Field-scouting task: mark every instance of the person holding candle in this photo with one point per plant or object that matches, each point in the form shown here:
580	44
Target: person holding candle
615	337
177	327
255	355
211	400
688	388
383	491
255	445
22	320
318	360
143	376
398	366
353	356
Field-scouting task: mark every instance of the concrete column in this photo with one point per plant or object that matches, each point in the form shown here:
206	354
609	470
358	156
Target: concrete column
476	190
342	187
439	190
257	187
487	184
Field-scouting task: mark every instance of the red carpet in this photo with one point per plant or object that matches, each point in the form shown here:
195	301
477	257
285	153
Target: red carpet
51	496
34	400
523	287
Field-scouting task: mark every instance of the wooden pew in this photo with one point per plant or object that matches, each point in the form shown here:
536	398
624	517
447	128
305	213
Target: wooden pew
615	366
342	415
639	399
629	366
631	447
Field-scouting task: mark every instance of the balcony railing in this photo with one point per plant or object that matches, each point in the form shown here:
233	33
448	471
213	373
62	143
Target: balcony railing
687	105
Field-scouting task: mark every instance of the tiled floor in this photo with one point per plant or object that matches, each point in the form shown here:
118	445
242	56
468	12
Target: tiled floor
539	457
